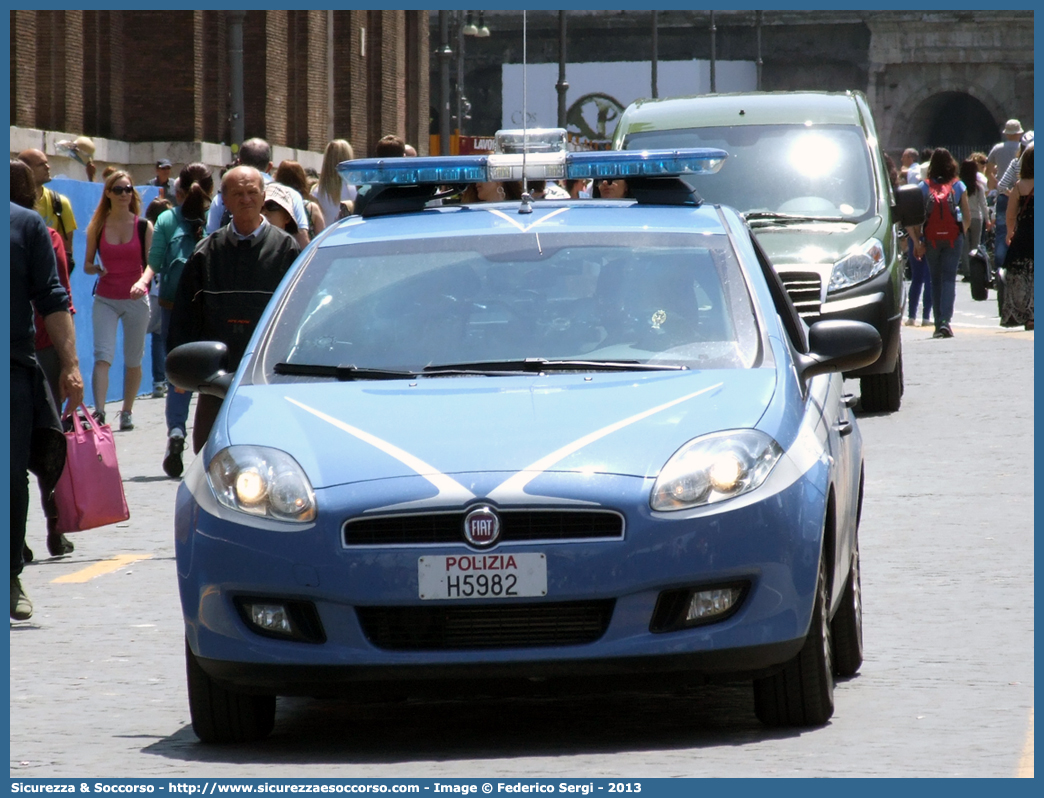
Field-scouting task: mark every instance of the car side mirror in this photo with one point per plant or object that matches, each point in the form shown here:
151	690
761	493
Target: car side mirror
839	345
909	206
200	366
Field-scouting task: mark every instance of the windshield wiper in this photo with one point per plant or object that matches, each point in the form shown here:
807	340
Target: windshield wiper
787	218
529	365
343	373
536	365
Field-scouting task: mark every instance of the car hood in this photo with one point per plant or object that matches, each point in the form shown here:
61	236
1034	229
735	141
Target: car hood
619	423
806	243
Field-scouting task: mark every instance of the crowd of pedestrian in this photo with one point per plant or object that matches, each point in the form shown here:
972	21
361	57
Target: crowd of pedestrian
986	198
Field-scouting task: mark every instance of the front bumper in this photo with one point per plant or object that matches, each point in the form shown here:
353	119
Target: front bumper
772	544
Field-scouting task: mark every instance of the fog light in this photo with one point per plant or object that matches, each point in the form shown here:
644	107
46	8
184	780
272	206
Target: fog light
686	607
708	603
271	618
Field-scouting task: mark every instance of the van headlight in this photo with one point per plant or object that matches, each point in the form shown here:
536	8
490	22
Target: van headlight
713	468
859	265
261	481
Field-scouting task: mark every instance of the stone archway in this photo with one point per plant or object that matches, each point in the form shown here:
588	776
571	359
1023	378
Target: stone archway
949	116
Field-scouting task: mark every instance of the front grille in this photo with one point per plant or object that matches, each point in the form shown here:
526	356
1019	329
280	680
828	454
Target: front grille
516	525
804	289
429	628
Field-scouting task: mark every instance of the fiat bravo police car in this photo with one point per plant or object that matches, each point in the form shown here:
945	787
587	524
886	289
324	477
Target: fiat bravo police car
497	444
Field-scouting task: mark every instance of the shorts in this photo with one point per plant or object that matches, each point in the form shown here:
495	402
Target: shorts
107	313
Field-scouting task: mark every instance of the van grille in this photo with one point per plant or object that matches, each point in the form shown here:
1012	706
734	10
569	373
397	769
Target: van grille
565	623
805	292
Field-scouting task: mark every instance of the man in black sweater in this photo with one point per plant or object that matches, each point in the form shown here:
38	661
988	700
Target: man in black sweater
228	282
34	281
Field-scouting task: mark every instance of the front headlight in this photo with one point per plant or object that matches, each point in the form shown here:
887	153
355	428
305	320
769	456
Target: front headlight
858	266
262	481
714	468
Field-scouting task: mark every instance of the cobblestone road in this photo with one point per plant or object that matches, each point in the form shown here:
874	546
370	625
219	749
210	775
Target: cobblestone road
97	675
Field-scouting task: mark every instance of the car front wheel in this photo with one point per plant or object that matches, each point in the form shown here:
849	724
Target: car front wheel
847	625
224	716
802	693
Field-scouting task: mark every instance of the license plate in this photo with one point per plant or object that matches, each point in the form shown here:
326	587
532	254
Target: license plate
469	576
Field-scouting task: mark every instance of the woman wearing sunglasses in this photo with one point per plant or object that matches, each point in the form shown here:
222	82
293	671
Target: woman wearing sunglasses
120	239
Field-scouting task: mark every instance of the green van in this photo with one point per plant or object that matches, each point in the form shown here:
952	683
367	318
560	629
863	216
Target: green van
806	171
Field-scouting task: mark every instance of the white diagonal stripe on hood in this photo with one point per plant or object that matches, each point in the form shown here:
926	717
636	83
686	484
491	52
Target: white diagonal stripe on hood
513	489
450	491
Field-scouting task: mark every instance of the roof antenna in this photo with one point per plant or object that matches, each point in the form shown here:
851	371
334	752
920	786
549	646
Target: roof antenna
527	200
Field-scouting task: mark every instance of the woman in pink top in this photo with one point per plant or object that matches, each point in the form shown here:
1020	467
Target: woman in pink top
121	239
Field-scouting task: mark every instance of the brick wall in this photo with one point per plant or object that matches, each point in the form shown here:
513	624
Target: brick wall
141	75
255	86
72	83
23	68
215	69
417	88
117	74
161	75
276	69
317	82
373	76
393	73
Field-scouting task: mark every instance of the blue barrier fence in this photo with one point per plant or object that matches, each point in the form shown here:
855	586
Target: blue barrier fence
84	198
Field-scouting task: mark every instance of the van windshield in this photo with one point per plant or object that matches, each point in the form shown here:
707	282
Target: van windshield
819	172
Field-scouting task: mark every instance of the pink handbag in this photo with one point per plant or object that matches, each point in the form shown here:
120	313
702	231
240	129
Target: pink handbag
90	491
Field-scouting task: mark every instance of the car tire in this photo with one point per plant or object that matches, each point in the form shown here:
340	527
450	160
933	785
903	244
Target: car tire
883	393
846	628
224	716
802	692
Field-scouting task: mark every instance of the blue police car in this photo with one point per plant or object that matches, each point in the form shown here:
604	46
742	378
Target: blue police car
494	443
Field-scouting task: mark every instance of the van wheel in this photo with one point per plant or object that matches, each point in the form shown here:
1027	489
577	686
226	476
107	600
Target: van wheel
802	693
224	716
883	393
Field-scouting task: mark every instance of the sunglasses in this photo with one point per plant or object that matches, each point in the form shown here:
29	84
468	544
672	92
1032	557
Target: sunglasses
117	190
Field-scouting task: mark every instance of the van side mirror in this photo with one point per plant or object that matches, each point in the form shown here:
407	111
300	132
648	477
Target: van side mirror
909	206
839	345
200	366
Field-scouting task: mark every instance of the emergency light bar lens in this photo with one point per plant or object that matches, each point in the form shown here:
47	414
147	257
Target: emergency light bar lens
644	163
537	167
434	170
535	141
545	159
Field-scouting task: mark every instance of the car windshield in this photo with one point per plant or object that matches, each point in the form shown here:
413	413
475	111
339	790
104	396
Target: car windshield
791	170
609	300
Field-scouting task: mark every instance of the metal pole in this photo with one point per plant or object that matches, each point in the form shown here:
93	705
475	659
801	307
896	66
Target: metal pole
758	18
562	86
445	54
655	52
460	73
714	33
235	62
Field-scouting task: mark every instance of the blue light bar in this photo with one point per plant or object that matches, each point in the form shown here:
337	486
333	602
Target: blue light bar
643	163
431	170
457	169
